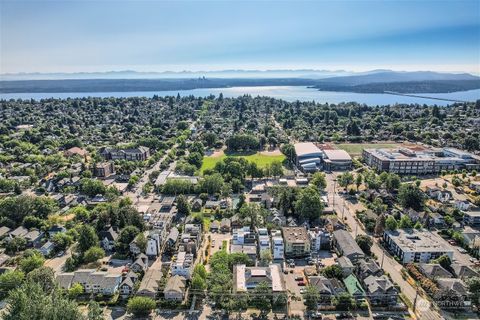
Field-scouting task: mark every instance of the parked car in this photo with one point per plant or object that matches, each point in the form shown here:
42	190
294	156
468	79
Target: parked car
301	284
299	278
61	253
461	250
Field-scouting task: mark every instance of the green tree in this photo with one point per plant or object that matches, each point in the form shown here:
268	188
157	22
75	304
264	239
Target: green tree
211	184
9	281
93	254
311	297
265	257
261	297
198	283
380	225
29	301
62	240
444	261
126	236
87	238
95	312
391	223
474	288
319	180
405	222
253	213
365	243
333	271
309	204
183	206
75	290
31	260
140	306
43	276
345	179
410	196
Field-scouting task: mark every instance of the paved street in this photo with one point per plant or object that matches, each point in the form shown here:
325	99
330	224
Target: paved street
392	267
57	263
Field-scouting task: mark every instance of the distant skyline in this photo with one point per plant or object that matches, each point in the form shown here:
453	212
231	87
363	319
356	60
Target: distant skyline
101	36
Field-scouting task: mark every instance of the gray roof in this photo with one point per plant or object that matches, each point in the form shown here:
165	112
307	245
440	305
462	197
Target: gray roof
4	230
344	262
173	235
456	285
378	284
434	270
19	232
368	268
347	244
176	284
463	271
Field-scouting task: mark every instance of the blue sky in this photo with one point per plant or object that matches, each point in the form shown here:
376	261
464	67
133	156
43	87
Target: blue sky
73	36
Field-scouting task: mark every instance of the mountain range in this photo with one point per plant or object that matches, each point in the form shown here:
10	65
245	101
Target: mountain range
375	81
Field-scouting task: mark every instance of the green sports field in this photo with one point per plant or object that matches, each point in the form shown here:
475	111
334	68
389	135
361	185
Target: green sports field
262	160
355	149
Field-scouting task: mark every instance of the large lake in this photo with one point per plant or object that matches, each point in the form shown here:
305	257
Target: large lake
288	93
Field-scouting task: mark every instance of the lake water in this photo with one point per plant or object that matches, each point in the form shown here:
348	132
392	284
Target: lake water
288	93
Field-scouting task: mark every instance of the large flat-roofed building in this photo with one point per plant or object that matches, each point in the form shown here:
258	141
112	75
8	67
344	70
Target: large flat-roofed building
309	156
247	278
419	160
296	241
336	160
418	246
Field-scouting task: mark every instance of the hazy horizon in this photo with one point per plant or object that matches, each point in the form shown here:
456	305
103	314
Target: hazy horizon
157	36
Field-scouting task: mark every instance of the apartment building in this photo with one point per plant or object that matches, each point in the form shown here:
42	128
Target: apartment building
183	265
297	241
278	246
420	246
419	160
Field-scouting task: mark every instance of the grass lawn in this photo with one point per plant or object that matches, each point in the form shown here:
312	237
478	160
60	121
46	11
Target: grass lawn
355	149
261	160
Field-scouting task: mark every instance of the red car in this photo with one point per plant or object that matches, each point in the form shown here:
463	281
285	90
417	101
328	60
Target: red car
301	284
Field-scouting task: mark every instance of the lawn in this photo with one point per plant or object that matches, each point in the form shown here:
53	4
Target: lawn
355	149
262	160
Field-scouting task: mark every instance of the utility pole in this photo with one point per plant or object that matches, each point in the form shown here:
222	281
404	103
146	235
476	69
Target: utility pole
415	300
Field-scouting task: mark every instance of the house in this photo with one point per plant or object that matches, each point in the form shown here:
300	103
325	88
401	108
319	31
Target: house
277	245
153	243
328	288
56	229
411	245
108	238
366	268
297	241
172	238
197	205
437	220
439	194
246	279
354	287
183	265
463	205
332	224
103	169
463	272
346	265
18	232
135	154
243	236
33	237
452	292
3	258
140	264
320	239
4	231
380	290
92	281
175	288
149	285
263	240
47	248
127	286
472	217
212	204
345	245
471	237
76	151
214	226
225	225
434	271
249	249
475	185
